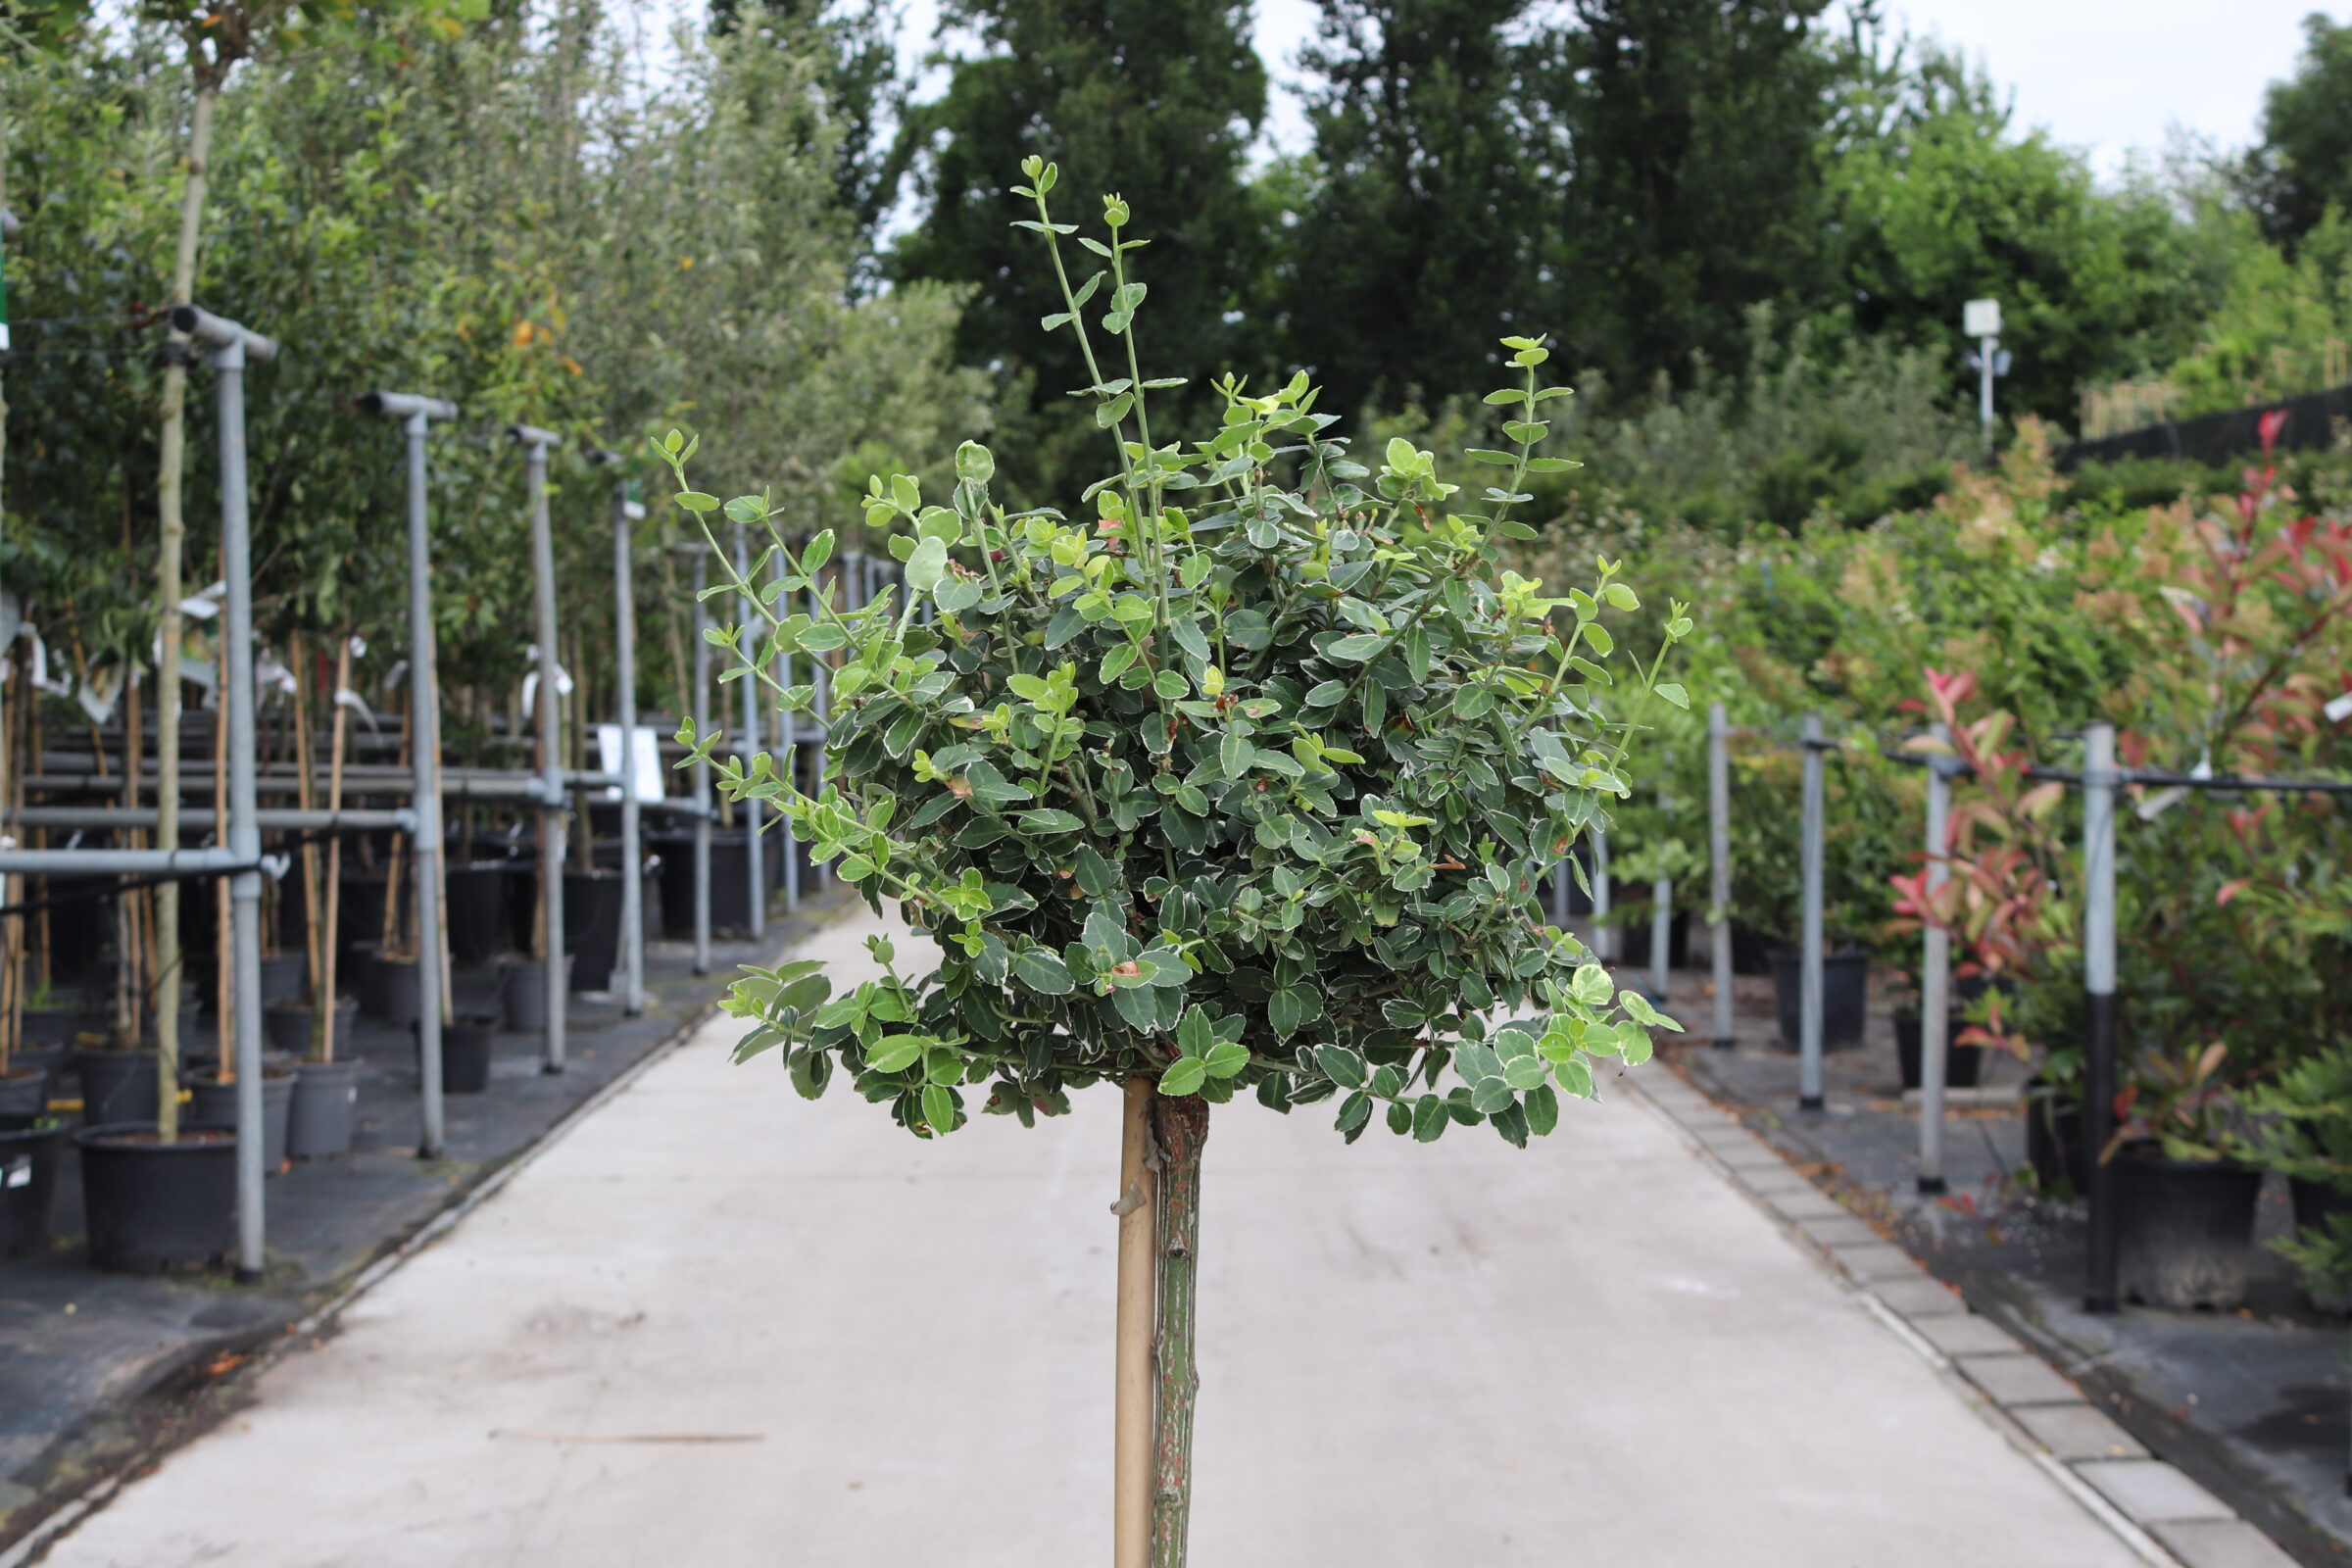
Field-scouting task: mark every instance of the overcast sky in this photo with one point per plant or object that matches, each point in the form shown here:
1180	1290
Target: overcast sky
2103	75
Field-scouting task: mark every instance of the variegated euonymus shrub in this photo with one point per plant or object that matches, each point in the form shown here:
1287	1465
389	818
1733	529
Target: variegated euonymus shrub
1236	776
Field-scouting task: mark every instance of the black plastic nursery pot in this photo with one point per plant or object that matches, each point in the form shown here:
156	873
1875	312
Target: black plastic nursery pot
592	927
392	990
154	1207
53	1059
2315	1204
2184	1230
1632	939
465	1045
285	976
1963	1066
326	1109
29	1146
2054	1139
117	1086
730	894
1751	951
522	992
23	1089
287	1025
60	1024
477	910
1844	995
213	1102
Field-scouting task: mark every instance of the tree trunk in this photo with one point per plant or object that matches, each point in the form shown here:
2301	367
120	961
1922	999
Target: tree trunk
167	590
1180	1124
1138	1210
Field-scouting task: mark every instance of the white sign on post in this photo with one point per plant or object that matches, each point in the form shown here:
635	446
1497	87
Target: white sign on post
1981	318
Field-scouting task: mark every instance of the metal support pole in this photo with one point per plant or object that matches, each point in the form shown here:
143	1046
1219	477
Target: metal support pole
2098	987
1719	855
1808	1029
1986	348
417	415
1661	933
552	799
700	771
633	846
1604	938
1934	980
788	760
752	871
231	346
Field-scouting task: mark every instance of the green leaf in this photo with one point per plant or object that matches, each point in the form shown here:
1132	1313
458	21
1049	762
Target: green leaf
1430	1117
1592	985
1226	1058
1358	648
1489	1095
894	1052
1326	694
1183	1076
696	501
1093	873
1049	820
1354	1111
1291	1008
1235	754
938	1109
1042	969
1341	1066
1170	685
1543	1109
1675	694
927	565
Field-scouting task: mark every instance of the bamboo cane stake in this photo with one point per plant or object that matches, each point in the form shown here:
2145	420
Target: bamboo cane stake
1131	1418
312	925
1180	1123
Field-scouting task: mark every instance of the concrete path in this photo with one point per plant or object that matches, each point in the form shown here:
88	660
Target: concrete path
1590	1354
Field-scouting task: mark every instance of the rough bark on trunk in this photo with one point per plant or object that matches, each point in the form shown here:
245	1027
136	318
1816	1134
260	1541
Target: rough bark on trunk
1181	1125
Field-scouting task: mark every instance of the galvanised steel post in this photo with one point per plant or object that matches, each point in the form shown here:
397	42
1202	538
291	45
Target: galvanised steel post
752	871
1719	854
536	444
700	771
417	415
788	757
1661	933
1808	1029
2098	990
1604	939
625	655
1935	979
232	346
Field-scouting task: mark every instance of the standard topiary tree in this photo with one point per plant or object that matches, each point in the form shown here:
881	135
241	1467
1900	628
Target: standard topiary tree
1238	781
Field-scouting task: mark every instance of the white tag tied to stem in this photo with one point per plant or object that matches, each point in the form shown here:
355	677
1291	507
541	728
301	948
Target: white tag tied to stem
359	648
530	681
644	772
635	510
276	867
205	604
345	697
2163	801
2338	709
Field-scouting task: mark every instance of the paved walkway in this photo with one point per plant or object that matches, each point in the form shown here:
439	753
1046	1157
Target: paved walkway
1596	1353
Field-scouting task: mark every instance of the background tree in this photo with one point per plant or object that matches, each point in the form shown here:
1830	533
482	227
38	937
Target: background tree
2303	164
1157	99
1697	128
1418	244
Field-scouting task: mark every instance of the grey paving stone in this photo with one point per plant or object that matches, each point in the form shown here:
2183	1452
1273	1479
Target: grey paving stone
2151	1491
1966	1335
2018	1379
1876	1260
1809	1202
2220	1543
1918	1297
2077	1432
1841	1230
1750	1155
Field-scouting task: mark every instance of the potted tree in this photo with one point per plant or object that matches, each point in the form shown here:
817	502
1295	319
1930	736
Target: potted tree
1238	781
